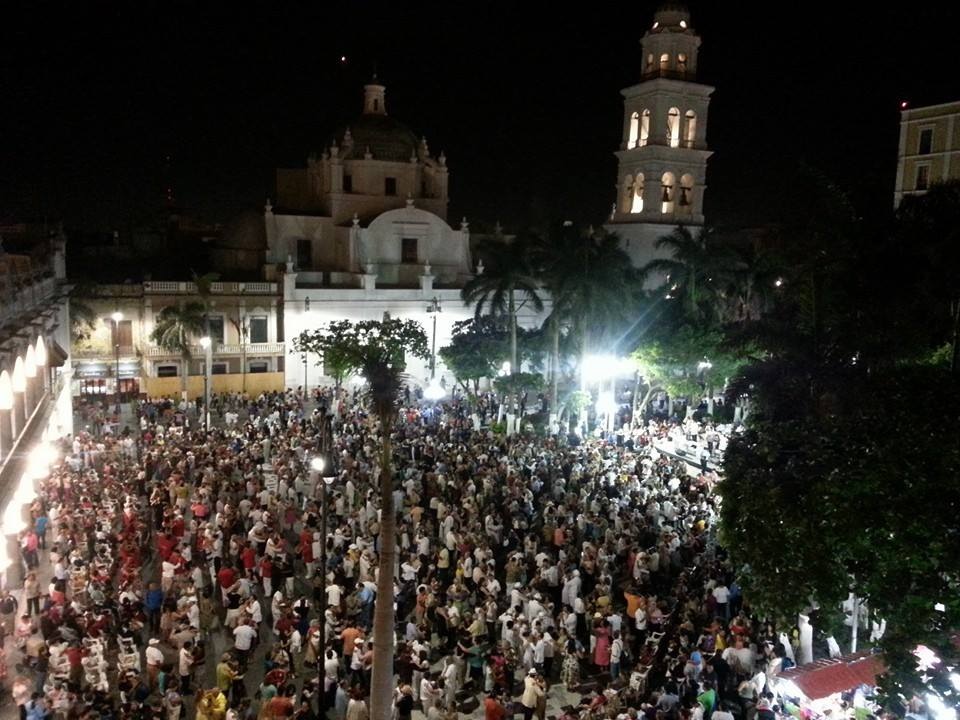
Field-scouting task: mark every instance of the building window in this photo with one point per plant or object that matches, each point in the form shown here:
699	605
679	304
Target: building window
636	205
673	127
390	186
664	62
348	183
168	371
125	333
216	328
408	254
644	128
634	130
682	62
258	329
690	133
304	254
667	183
925	146
258	366
923	177
218	368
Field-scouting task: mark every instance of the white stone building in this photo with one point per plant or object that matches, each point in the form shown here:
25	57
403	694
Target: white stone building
361	231
662	160
929	150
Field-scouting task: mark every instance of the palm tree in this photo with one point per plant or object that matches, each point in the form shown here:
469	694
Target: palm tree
173	329
592	285
512	276
693	270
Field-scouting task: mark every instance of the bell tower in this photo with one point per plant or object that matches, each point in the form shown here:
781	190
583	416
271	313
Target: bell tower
662	160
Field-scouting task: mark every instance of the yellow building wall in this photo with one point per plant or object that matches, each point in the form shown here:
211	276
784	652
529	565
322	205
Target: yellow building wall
256	383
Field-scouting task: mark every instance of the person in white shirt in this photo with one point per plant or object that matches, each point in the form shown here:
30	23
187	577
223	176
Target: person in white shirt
243	636
722	595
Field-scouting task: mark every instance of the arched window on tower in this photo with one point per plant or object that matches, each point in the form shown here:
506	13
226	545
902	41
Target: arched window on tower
673	127
664	62
634	130
682	63
667	192
636	204
644	128
626	194
685	201
649	68
690	131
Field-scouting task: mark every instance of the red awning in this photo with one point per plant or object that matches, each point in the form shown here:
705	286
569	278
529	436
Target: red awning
826	677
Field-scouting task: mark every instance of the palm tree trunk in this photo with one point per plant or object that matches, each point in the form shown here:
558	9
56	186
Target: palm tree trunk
636	393
185	377
381	682
512	311
555	366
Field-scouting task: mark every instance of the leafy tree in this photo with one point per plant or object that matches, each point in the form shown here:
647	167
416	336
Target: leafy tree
519	385
336	364
378	349
173	330
477	350
853	499
507	285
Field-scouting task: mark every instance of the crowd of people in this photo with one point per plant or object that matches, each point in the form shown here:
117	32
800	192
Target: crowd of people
185	575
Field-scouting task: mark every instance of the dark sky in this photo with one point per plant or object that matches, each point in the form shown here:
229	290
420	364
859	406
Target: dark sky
523	98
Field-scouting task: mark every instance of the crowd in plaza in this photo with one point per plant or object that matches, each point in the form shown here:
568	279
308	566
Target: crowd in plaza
185	578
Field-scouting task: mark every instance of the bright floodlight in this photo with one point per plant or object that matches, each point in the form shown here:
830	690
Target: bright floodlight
434	391
205	342
19	378
41	352
606	405
13	517
30	362
117	316
603	367
317	464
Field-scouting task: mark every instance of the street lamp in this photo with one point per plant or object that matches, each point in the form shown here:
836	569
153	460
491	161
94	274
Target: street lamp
432	309
207	344
322	466
303	358
117	317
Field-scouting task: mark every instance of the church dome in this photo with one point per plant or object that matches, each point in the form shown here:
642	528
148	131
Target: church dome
386	138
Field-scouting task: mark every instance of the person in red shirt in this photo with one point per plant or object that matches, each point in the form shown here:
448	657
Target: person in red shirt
266	575
306	549
248	556
493	709
165	545
226	577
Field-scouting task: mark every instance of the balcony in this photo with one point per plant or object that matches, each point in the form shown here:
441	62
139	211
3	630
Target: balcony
197	351
164	287
101	352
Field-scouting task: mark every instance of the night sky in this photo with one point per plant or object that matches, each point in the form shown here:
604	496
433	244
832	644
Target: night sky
525	104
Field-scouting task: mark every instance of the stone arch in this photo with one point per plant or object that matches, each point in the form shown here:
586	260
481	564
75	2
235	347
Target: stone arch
668	187
690	129
644	128
685	200
673	127
636	199
634	130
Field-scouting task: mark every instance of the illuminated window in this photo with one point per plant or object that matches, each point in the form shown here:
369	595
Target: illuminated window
649	62
667	185
690	134
685	201
923	177
634	130
682	62
636	204
925	146
626	194
673	127
644	127
664	62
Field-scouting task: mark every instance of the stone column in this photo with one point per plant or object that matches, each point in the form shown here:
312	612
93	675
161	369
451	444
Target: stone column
19	384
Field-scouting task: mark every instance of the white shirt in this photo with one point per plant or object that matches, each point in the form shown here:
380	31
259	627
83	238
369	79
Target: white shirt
640	619
154	655
333	595
243	636
721	594
186	661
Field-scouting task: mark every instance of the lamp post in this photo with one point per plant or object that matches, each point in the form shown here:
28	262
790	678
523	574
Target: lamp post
116	317
207	344
432	309
322	466
303	358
